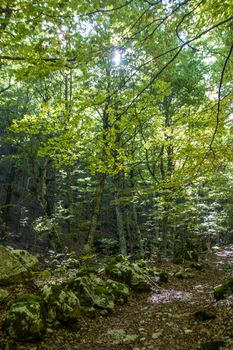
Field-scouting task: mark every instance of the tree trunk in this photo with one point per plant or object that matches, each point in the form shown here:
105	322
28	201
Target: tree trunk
119	215
96	213
70	219
7	204
138	231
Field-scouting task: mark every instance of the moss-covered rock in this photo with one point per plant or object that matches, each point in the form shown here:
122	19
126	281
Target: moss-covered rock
26	318
11	269
88	311
92	291
223	290
121	269
87	270
62	304
156	275
29	261
119	290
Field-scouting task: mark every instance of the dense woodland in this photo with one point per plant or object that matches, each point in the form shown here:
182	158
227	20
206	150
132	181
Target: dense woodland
116	126
116	182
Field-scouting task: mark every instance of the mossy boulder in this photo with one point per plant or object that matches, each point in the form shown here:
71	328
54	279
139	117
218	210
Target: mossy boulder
28	260
90	312
92	291
11	269
223	290
62	304
119	290
26	318
87	270
121	269
156	275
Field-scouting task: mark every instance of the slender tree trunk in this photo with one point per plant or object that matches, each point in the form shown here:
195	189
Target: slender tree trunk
166	177
70	220
131	239
119	214
42	190
7	204
138	237
96	213
138	231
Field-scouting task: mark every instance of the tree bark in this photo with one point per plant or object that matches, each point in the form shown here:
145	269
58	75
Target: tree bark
96	213
119	214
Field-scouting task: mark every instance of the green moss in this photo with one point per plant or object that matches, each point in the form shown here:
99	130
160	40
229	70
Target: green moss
121	269
119	290
28	260
26	318
92	291
62	304
4	294
88	311
87	270
11	269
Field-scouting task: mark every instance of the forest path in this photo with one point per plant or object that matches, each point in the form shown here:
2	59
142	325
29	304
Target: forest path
164	320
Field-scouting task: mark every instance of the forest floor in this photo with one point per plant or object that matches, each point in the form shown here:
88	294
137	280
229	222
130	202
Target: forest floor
163	319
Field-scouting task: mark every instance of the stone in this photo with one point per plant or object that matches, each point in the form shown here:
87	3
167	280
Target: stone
104	313
26	318
87	270
205	314
119	290
88	311
223	290
62	304
92	291
121	269
11	269
28	260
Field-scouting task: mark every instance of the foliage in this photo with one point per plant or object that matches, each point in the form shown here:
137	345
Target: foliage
125	104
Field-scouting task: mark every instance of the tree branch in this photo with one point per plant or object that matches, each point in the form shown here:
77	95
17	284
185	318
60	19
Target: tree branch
218	109
219	96
107	11
50	59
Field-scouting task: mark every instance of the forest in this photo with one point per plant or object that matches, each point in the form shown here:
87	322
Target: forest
116	178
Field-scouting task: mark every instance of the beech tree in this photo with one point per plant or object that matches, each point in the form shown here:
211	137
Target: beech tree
115	117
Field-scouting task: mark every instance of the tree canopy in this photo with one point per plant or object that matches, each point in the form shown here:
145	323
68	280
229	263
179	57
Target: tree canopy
116	122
